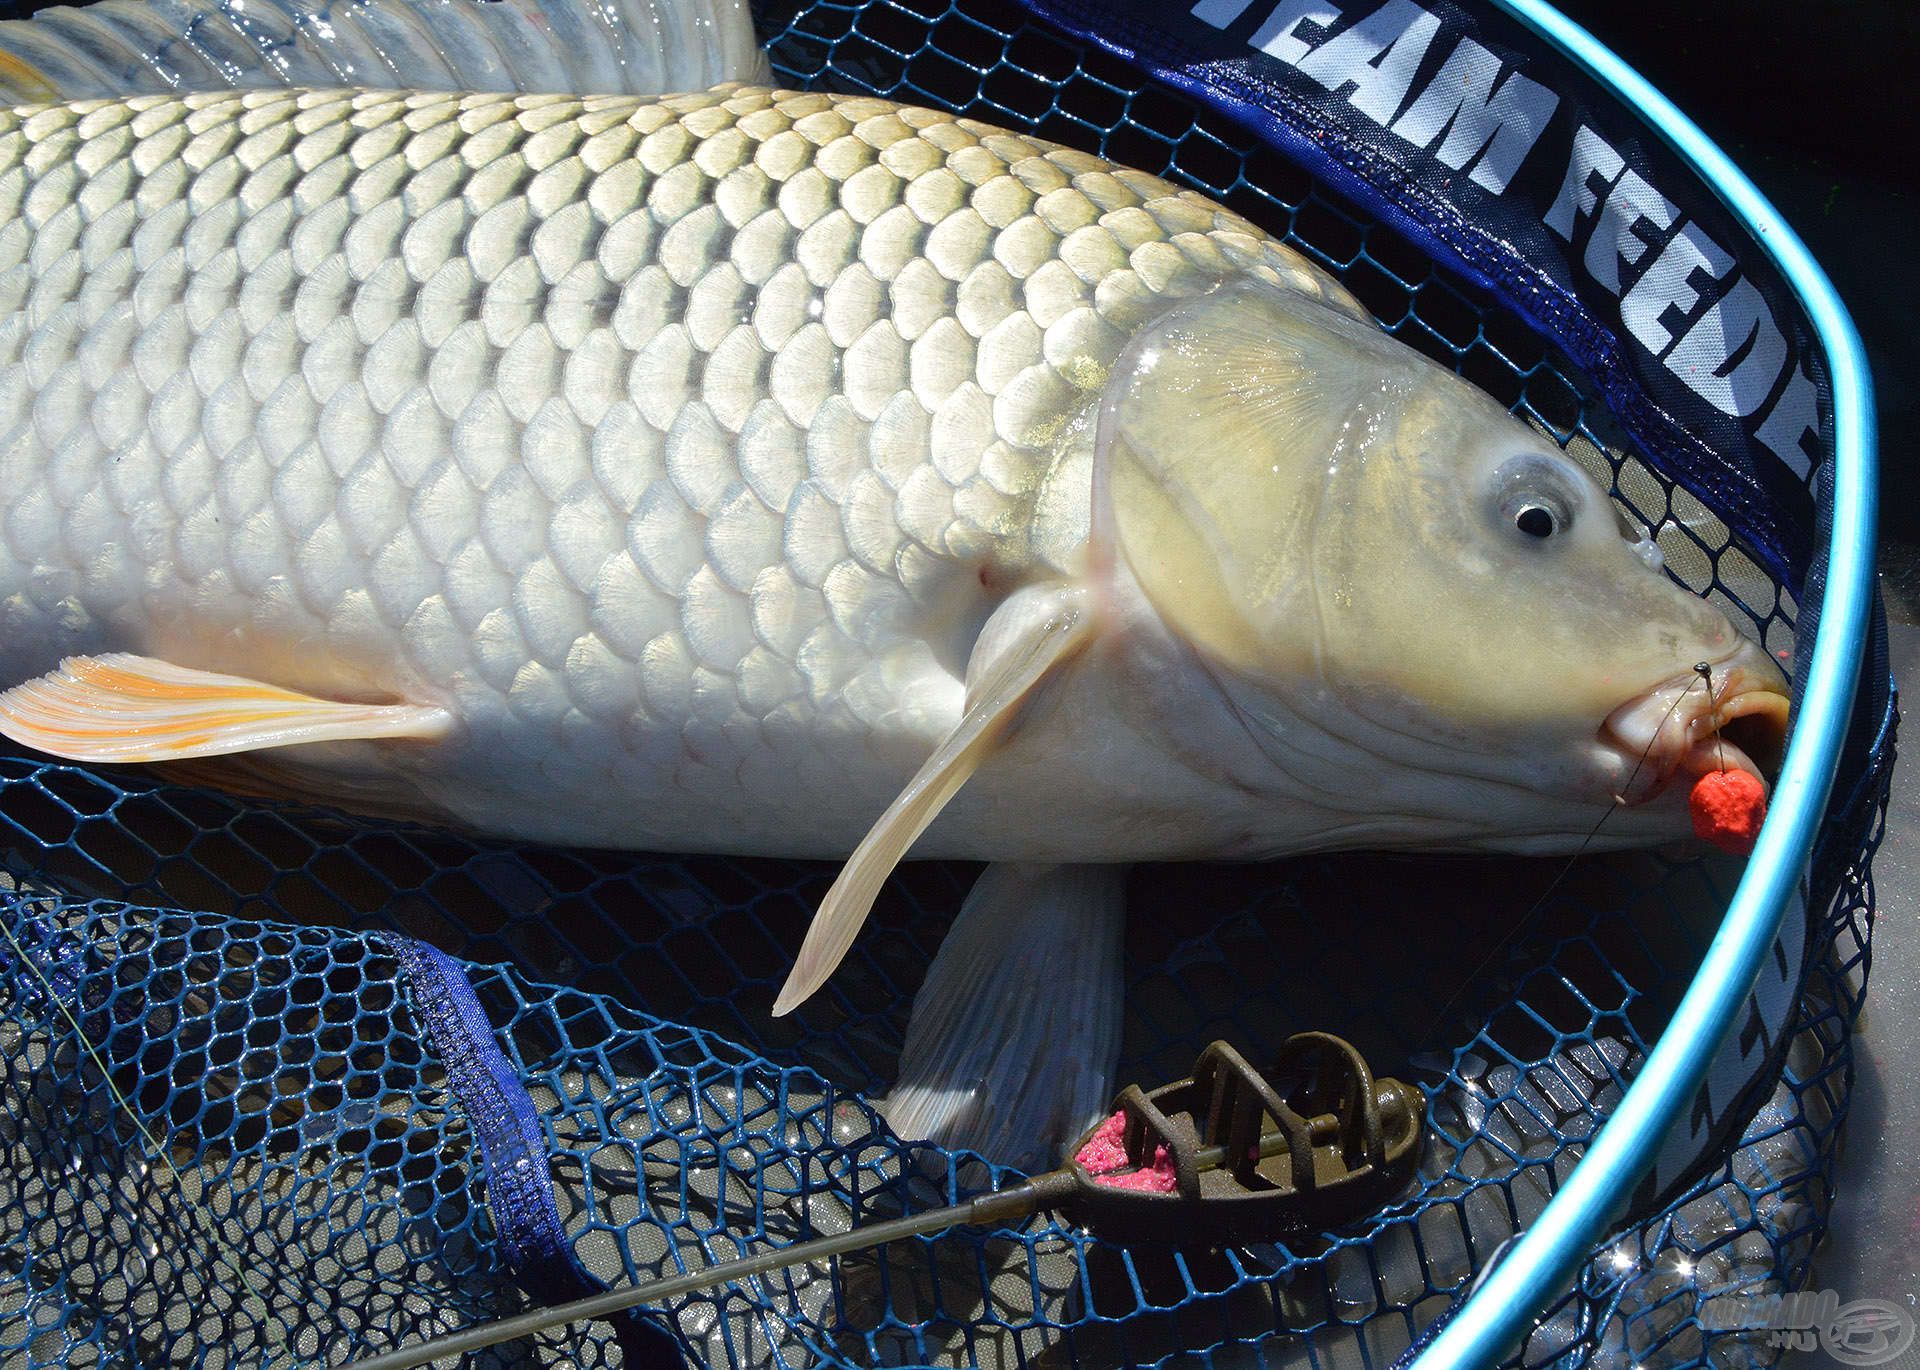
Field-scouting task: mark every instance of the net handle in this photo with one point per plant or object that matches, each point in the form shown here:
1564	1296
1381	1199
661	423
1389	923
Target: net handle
1542	1263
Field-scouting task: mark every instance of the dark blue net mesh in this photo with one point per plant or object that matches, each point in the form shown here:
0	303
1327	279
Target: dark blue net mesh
231	1130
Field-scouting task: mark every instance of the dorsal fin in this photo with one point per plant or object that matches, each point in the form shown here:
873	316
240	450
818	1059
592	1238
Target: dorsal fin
608	47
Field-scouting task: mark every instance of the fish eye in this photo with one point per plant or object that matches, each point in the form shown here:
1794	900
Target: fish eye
1535	498
1536	521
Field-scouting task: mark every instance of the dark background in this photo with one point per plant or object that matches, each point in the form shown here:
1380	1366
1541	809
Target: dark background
1819	102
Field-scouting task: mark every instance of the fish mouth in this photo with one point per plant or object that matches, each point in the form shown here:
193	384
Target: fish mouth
1686	727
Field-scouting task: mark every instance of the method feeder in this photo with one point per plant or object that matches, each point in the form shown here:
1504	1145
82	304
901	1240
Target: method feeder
1225	1156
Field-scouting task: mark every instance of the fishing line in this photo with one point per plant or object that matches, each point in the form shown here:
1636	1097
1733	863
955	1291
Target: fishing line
156	1154
1704	671
985	1211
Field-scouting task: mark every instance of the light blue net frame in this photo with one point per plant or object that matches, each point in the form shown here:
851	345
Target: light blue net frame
1551	1250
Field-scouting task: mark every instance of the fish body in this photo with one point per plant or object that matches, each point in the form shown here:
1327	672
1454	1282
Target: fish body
763	472
679	448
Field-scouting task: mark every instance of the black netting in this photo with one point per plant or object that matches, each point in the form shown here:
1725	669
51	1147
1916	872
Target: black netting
301	1187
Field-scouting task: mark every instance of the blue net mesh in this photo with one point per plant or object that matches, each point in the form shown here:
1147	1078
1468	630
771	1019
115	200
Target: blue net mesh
231	1134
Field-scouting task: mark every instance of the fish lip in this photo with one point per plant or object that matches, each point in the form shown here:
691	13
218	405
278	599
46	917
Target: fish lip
1674	729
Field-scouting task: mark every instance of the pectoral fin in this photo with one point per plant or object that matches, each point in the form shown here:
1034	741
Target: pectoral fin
1031	635
125	708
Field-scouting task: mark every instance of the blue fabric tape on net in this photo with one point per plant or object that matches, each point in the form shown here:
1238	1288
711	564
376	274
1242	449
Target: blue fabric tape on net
519	1179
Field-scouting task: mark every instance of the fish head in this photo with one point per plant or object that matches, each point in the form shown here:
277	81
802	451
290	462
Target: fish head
1401	591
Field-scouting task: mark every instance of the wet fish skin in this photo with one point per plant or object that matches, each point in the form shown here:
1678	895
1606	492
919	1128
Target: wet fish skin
678	447
718	472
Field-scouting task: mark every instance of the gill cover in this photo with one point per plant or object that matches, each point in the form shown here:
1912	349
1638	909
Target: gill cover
1221	429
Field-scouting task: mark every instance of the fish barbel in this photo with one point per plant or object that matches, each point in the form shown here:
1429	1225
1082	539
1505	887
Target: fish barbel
767	472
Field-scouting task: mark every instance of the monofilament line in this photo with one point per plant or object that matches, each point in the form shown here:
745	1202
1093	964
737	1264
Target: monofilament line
155	1153
1619	801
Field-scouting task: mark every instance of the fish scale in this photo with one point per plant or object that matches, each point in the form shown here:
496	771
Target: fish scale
677	445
